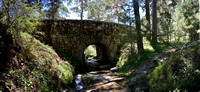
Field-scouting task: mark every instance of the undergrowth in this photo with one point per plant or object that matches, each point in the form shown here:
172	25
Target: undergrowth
39	68
65	55
132	62
127	63
181	71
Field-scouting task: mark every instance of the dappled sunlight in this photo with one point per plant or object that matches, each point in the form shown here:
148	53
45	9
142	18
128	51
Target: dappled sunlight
147	44
105	80
90	52
115	46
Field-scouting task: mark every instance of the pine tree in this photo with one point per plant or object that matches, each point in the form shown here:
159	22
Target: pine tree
116	8
154	23
138	27
52	7
80	8
190	10
148	17
40	6
164	19
96	10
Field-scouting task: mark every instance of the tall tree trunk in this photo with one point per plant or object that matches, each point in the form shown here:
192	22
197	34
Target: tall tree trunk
40	6
52	12
194	34
81	9
163	6
147	12
170	36
148	17
131	37
179	2
98	17
116	9
138	28
154	23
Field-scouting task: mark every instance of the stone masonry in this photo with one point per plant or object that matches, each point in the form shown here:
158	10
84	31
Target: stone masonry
76	35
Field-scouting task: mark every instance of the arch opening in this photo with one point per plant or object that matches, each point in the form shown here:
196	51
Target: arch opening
95	56
90	52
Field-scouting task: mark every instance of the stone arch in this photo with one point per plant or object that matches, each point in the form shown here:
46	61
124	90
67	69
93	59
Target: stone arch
75	35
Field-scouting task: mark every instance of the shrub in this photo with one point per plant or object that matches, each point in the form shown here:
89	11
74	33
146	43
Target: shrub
180	71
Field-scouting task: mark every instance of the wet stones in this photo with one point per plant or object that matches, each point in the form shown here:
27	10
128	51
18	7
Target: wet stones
114	69
133	81
79	84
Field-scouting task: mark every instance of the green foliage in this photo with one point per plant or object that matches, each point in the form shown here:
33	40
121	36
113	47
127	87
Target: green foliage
121	61
96	8
64	54
132	62
178	22
178	72
129	40
185	24
67	73
175	90
2	45
44	65
1	87
59	10
90	51
145	31
19	16
159	47
24	82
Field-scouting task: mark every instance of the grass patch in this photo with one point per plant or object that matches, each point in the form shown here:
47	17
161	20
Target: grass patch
159	47
129	62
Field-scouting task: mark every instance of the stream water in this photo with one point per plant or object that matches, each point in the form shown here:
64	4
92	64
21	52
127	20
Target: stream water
101	78
102	81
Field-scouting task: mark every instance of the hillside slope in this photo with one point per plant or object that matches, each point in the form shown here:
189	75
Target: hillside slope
180	72
36	67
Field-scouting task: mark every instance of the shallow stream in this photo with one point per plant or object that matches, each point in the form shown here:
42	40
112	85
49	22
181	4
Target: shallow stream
102	81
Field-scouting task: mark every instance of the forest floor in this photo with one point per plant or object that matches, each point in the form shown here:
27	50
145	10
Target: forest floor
147	67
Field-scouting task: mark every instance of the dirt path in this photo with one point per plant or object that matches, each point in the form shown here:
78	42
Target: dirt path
147	67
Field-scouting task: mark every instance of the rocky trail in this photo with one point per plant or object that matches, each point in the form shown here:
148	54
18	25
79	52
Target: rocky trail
105	81
147	67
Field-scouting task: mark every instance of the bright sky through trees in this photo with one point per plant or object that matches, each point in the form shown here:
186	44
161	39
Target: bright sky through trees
74	15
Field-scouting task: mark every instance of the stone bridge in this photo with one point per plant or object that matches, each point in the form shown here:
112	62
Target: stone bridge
76	35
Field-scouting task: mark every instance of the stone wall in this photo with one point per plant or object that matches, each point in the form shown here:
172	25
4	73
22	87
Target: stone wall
76	35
